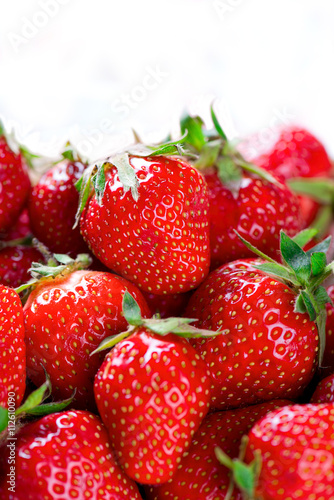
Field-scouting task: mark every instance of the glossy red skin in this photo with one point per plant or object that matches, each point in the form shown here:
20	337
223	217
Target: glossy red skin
53	203
296	444
12	347
297	153
160	242
167	305
15	263
14	185
328	361
324	392
265	350
20	229
257	212
152	393
66	319
63	456
200	475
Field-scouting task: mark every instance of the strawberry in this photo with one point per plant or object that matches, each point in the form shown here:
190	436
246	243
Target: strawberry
324	392
52	206
15	262
268	315
242	196
199	474
21	228
148	220
67	315
167	305
14	182
13	350
294	446
152	392
329	350
62	456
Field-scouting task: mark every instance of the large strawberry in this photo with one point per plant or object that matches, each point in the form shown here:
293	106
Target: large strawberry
152	393
148	220
268	347
200	475
293	450
14	182
67	315
63	456
13	350
242	196
53	203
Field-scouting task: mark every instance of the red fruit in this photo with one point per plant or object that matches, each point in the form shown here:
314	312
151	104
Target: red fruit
21	228
167	305
160	239
199	474
15	262
152	394
324	392
265	350
64	456
258	210
52	207
14	185
66	318
296	445
328	361
12	348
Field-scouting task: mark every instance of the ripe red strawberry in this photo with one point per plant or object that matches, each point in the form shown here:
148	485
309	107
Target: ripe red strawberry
66	318
268	347
21	228
296	448
148	221
63	456
152	393
52	207
199	474
13	350
14	183
242	197
15	262
167	305
328	362
324	392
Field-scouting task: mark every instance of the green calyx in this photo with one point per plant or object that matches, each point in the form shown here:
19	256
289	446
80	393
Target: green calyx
35	405
57	265
17	148
303	272
131	311
214	150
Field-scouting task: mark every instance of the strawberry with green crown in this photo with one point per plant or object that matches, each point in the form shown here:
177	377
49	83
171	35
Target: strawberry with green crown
147	218
243	196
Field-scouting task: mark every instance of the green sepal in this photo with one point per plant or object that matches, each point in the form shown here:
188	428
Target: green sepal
300	305
192	126
305	236
131	310
178	326
85	188
110	342
227	170
3	411
321	324
35	398
278	271
322	297
295	257
209	155
309	307
319	189
2	132
126	174
217	124
69	153
28	156
53	407
323	246
318	263
253	249
99	184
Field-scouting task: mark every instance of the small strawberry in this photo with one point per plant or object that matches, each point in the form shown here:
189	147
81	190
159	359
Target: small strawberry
293	448
21	228
67	315
14	182
199	474
13	350
53	203
15	262
152	393
242	196
268	347
324	392
63	456
148	219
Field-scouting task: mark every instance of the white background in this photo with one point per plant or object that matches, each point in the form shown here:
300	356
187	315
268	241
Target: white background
83	69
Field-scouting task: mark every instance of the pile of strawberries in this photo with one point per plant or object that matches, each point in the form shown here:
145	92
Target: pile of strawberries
167	326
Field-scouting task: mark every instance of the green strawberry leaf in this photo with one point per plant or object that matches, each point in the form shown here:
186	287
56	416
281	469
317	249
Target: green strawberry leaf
217	125
99	183
254	169
63	258
209	155
28	156
322	297
228	171
318	263
323	246
254	249
278	271
113	340
69	153
3	411
84	186
305	236
319	189
321	324
178	326
35	398
308	305
131	310
53	407
126	174
244	477
295	258
300	305
192	126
